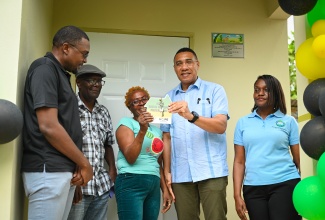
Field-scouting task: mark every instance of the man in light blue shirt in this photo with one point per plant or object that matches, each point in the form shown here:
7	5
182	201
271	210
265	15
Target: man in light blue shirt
195	149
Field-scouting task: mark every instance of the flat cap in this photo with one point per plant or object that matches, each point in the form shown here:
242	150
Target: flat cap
89	69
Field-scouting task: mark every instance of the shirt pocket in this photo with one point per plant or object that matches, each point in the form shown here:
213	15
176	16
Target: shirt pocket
102	132
204	108
84	129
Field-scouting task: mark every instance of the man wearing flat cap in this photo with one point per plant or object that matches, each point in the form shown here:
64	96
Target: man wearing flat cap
91	201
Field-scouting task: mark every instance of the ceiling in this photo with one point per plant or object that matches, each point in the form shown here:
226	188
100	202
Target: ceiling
275	11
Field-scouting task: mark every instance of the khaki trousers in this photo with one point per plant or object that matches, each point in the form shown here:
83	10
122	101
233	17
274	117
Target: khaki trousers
211	193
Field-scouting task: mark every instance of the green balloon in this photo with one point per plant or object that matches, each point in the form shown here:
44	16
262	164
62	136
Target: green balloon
309	198
317	13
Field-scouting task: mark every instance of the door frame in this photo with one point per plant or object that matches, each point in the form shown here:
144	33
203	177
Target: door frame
189	35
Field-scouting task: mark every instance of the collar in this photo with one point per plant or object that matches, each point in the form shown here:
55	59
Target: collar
277	114
50	56
196	85
82	105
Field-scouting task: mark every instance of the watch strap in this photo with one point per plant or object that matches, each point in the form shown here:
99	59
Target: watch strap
196	116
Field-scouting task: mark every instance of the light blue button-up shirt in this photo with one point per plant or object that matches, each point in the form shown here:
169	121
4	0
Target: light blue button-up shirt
195	153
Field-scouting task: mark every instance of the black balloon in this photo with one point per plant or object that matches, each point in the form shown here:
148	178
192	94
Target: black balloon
312	137
11	121
312	94
297	7
321	103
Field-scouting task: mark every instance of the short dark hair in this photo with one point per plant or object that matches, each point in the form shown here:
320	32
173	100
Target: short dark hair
69	34
186	49
276	95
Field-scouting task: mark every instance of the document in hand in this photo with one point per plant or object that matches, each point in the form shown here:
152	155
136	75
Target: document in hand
158	107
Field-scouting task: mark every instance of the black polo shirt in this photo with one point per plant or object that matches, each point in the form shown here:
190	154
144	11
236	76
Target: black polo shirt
48	85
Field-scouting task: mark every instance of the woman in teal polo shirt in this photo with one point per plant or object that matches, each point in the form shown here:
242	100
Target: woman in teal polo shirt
263	165
138	182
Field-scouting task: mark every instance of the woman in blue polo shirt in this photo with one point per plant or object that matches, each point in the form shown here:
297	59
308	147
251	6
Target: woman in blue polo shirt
263	165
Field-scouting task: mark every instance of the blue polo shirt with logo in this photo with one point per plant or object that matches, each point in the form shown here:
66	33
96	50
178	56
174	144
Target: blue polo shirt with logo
266	142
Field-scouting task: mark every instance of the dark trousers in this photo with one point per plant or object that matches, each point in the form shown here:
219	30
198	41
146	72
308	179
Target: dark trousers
271	202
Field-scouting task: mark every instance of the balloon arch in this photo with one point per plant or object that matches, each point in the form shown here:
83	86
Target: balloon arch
309	193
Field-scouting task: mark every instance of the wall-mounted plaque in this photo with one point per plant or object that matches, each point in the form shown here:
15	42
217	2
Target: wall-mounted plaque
227	45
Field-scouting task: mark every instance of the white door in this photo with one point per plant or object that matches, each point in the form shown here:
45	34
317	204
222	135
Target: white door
133	60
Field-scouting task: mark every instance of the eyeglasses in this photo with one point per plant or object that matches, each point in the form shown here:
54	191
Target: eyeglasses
84	54
188	62
93	82
136	102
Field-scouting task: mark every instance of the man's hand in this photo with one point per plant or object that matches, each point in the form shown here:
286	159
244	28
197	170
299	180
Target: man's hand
77	178
86	173
77	195
82	175
112	173
180	107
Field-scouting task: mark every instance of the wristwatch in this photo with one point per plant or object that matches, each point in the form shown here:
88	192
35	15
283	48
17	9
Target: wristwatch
196	116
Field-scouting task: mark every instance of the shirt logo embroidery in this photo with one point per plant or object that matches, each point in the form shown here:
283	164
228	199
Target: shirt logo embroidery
280	123
149	135
157	146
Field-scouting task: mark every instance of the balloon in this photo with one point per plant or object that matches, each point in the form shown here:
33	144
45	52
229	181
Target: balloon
309	198
319	46
318	28
321	103
317	13
311	96
312	137
309	65
320	218
11	121
321	169
297	7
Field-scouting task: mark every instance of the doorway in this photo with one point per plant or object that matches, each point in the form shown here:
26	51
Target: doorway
133	60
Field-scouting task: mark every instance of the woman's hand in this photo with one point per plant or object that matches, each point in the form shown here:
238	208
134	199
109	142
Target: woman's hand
241	208
168	179
144	118
167	201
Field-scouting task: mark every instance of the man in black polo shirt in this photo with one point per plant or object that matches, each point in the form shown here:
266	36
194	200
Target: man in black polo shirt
52	137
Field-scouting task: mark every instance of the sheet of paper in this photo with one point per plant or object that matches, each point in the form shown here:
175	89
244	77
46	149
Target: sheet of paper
158	107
